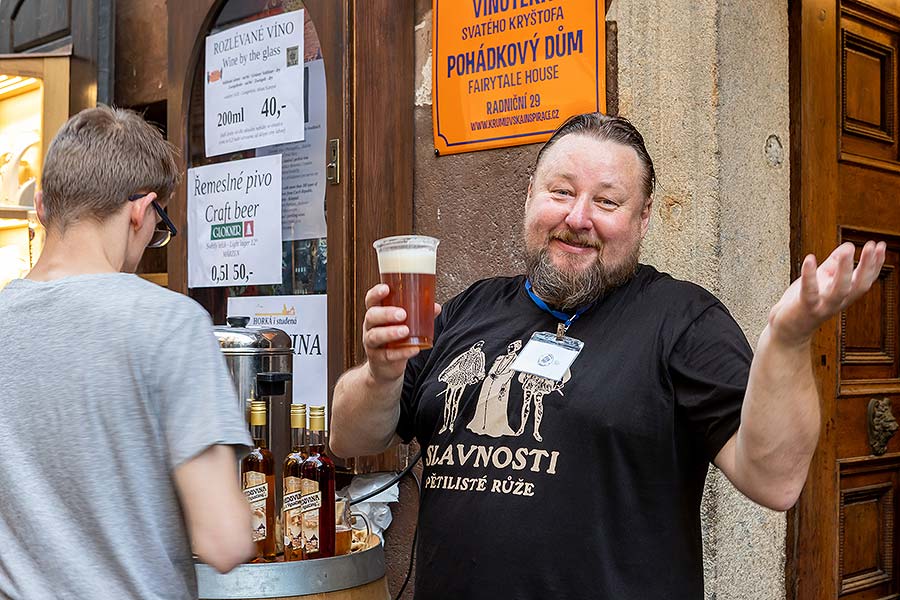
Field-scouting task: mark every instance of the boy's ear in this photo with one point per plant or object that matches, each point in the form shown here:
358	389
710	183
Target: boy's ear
39	207
139	209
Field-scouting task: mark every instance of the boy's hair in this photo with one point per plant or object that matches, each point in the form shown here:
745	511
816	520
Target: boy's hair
98	159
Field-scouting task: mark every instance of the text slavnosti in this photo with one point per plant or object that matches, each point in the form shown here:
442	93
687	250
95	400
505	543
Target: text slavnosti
525	460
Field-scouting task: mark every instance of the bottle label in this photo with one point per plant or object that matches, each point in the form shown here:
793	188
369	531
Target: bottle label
293	516
291	501
257	493
310	502
256	489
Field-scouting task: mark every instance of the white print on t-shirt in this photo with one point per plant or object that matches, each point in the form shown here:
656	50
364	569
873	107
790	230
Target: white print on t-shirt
491	418
514	461
535	388
466	369
490	413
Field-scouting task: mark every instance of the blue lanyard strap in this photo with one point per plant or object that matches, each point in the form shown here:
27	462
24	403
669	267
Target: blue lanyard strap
567	319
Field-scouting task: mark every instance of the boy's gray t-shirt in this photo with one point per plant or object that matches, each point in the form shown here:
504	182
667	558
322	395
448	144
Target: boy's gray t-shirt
109	383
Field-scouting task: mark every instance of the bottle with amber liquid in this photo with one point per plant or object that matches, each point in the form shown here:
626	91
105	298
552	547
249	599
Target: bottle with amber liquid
317	489
258	482
291	513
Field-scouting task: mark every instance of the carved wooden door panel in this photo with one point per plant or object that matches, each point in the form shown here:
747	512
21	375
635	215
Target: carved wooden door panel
842	542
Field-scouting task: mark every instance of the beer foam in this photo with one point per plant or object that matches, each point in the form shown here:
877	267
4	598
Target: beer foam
407	260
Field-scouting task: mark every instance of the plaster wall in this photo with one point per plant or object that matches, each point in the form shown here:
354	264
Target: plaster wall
707	85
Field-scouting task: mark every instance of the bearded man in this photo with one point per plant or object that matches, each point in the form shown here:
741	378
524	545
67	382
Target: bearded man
655	381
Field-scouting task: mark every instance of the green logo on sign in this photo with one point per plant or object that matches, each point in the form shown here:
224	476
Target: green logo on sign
226	231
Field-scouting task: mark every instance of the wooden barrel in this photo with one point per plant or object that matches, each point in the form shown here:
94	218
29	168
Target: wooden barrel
356	576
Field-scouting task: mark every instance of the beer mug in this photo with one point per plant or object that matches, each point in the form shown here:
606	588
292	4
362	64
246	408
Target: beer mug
407	265
348	536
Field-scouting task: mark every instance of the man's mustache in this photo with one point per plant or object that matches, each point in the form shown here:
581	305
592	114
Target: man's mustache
574	239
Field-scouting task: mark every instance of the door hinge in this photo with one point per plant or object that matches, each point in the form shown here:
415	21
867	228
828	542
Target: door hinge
333	169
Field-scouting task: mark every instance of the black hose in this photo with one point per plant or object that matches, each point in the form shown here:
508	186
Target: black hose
412	552
393	480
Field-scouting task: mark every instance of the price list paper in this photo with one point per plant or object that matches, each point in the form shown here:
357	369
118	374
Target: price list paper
303	167
234	223
254	84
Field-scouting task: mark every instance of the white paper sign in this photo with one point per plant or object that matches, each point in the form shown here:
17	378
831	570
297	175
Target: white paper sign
303	166
254	84
234	223
304	319
547	356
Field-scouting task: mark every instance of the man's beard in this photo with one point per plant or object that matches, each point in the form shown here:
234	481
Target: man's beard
574	289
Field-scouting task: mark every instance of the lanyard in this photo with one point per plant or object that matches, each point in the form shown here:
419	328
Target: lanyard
567	319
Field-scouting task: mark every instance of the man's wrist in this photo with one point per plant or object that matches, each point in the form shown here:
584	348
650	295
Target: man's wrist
772	338
375	384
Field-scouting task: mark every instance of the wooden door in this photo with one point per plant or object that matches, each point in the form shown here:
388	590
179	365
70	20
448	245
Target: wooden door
842	538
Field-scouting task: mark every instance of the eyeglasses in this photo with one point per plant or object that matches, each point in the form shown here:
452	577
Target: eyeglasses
160	237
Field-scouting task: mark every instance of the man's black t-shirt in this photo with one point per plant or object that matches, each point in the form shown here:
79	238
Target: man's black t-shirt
587	488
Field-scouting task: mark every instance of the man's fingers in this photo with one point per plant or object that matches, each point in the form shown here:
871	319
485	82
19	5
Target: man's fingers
376	294
871	260
842	278
821	292
379	316
830	264
841	283
809	283
379	336
437	309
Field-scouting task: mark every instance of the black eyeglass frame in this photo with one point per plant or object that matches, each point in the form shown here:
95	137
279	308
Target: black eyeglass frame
170	227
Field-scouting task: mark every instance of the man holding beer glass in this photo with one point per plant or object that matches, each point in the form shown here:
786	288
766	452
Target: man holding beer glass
637	381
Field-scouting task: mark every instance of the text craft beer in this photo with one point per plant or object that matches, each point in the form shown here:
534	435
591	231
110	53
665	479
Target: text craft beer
409	273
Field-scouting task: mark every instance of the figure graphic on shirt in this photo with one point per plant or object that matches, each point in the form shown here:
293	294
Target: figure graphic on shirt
465	369
490	412
535	387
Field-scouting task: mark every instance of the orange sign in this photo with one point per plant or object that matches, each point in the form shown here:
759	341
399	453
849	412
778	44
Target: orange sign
508	72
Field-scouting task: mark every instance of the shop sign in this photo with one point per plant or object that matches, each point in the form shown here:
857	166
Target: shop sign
234	223
508	72
305	320
254	85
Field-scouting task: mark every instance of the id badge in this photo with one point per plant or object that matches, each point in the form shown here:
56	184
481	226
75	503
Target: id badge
547	356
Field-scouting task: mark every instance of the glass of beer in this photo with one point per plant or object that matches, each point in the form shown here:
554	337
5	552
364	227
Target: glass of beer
347	536
407	266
